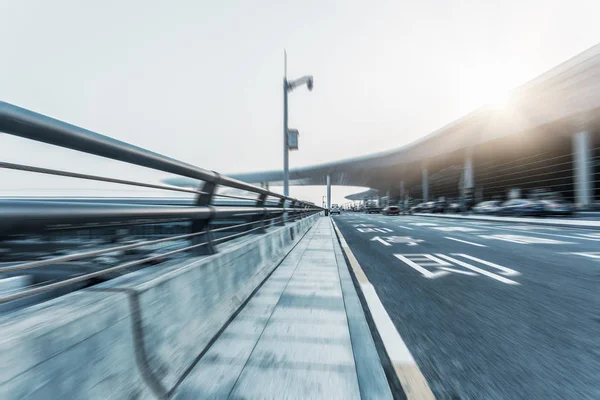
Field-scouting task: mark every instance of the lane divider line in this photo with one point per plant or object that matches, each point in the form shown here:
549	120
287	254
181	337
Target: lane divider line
407	371
464	241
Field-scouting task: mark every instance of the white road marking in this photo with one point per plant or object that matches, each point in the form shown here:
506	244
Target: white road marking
479	270
370	230
520	239
464	241
595	235
405	367
426	273
456	229
458	271
528	227
594	255
380	240
403	239
405	227
508	228
505	271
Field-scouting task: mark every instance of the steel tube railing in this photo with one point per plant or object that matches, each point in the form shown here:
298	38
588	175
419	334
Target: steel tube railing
30	125
257	208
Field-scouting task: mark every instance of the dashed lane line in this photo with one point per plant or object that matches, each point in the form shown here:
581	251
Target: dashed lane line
465	241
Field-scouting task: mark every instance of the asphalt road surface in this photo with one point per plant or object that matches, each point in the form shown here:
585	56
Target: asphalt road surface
488	310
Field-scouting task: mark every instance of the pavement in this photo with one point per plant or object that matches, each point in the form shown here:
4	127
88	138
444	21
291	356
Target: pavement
302	335
489	310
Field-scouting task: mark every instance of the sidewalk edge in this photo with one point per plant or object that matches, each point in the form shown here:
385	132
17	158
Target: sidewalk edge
407	372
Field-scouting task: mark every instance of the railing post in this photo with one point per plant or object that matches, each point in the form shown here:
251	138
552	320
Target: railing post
281	205
260	219
293	212
203	225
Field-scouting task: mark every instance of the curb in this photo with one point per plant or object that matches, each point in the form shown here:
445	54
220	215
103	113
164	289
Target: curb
372	380
405	368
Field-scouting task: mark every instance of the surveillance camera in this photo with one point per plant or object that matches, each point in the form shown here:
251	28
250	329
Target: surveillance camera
309	83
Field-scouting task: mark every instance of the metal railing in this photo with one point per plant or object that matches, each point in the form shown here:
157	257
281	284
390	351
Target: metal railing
237	215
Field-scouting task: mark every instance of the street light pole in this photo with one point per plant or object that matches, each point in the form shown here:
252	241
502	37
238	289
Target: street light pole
286	166
288	87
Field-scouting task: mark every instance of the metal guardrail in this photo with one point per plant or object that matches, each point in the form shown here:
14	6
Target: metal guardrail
257	209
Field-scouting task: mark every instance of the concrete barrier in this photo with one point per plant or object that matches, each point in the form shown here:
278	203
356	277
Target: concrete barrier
136	336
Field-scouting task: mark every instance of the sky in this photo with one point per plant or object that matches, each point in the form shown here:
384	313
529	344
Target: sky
201	81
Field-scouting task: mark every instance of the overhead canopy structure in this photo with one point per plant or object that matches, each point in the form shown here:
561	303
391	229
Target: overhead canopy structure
563	99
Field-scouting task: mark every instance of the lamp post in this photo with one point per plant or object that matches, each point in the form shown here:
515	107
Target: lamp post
288	86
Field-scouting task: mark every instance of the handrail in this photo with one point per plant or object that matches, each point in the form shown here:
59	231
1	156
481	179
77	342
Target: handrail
27	124
257	209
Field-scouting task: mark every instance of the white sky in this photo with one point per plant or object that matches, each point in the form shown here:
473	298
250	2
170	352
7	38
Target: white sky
201	81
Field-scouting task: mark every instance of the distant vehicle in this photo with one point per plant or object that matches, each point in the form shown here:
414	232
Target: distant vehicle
429	207
391	210
557	207
453	208
521	207
488	207
438	206
335	210
371	208
418	208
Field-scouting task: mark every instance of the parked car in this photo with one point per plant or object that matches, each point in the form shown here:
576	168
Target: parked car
521	207
557	207
488	207
429	207
335	210
438	206
391	210
418	208
453	208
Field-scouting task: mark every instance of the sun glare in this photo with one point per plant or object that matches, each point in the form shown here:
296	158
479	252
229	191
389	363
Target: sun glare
499	99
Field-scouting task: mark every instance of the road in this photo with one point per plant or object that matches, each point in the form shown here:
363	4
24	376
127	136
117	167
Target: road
488	310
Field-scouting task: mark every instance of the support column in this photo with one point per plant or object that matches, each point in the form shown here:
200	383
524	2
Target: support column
328	192
466	191
468	181
582	169
401	190
425	184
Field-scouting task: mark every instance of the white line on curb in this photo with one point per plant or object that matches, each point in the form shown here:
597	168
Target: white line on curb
413	382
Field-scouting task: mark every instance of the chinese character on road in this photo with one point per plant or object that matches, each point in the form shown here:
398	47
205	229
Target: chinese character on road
371	230
445	265
397	239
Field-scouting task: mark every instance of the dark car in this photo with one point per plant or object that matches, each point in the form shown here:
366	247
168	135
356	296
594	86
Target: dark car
418	208
438	207
488	207
429	207
521	207
557	207
452	208
391	210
